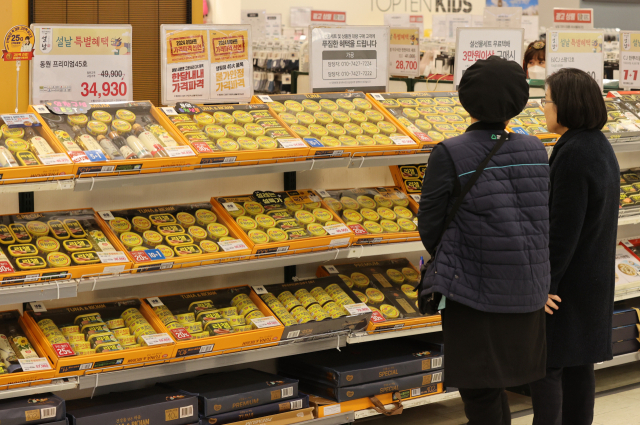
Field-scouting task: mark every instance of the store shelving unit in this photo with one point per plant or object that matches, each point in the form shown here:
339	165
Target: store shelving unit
360	337
339	419
408	404
619	360
58	384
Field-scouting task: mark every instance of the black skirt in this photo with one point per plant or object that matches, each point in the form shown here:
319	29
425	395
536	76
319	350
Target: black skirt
492	350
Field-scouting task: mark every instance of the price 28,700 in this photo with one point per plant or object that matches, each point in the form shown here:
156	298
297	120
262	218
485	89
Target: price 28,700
108	89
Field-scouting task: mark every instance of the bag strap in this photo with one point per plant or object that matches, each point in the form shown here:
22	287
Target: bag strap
472	180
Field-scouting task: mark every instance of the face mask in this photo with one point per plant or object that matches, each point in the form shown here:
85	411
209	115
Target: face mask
536	72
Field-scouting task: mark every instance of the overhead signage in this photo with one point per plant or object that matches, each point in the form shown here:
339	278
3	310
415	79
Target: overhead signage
581	49
572	18
327	17
349	58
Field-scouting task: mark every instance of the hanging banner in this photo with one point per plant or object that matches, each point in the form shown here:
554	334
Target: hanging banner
18	44
81	63
206	63
473	44
404	52
349	58
630	59
576	49
572	18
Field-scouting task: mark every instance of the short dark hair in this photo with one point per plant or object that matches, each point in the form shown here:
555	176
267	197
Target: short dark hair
578	99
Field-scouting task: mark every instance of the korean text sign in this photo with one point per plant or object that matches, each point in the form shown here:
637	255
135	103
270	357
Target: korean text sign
630	59
473	44
206	63
572	18
580	49
80	62
404	52
353	58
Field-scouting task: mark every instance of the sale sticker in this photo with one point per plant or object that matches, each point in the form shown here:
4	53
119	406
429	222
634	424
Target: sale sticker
155	254
6	267
78	156
140	256
95	156
180	334
358	229
202	147
63	349
34	364
377	317
18	44
337	229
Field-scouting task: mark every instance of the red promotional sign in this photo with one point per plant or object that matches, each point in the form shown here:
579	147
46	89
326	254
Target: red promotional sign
63	350
573	18
140	256
324	16
181	334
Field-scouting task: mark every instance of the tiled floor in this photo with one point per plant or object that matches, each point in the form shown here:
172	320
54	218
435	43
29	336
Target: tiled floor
617	403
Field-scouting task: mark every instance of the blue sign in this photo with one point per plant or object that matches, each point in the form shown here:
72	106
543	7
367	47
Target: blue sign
95	156
155	254
519	130
314	143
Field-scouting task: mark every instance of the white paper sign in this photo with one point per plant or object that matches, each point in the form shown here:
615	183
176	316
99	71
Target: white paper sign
531	25
106	215
112	257
453	22
54	159
274	24
34	365
289	143
81	62
265	322
581	49
257	19
438	26
157	339
179	151
502	17
630	59
155	302
349	58
230	206
405	20
38	307
473	44
404	52
360	308
300	16
337	229
402	140
260	290
416	198
232	245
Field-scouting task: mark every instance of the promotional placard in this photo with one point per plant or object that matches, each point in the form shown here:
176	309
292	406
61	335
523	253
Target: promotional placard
453	22
580	49
405	20
572	18
629	59
349	58
206	63
404	52
502	17
81	63
18	44
328	17
274	24
473	44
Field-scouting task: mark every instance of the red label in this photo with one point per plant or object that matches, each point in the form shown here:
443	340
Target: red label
181	334
574	16
202	147
63	350
357	229
140	256
6	267
324	16
423	137
416	19
377	317
79	156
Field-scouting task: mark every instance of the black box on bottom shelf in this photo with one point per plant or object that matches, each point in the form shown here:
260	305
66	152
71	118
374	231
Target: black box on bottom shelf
626	347
301	402
62	422
36	409
362	363
625	316
341	394
150	406
228	391
625	333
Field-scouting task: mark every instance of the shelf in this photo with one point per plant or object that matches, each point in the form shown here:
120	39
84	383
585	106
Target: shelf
364	337
59	384
629	219
630	146
339	419
388	160
35	186
394	248
619	360
408	404
627	293
18	294
205	363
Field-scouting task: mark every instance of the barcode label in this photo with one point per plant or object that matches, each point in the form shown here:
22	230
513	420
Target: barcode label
436	377
287	392
415	392
331	269
376	96
265	98
229	159
436	363
296	405
293	334
86	366
106	215
38	307
165	266
169	111
206	349
230	206
282	249
49	412
186	412
107	169
323	193
260	290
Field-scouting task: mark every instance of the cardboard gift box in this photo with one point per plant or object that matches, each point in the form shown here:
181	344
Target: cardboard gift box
409	178
363	363
325	314
625	314
56	245
29	153
388	288
251	324
532	121
625	347
114	342
232	135
154	148
175	236
298	403
155	405
35	409
340	124
625	333
230	391
278	223
623	116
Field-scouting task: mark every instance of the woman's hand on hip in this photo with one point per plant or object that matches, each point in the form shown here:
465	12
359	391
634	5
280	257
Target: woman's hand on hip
551	303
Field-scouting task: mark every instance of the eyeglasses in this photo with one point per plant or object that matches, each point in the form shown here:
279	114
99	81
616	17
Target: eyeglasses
544	102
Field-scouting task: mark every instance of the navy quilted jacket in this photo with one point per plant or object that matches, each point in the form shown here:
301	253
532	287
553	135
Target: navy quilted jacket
494	256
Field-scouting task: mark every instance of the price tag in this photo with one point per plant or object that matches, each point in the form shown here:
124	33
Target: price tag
376	317
581	49
157	339
34	365
154	302
360	308
404	52
260	290
377	96
358	229
169	111
402	140
230	206
292	143
629	60
265	98
140	256
41	109
416	198
339	242
179	151
78	156
614	93
265	322
323	193
337	229
6	267
331	269
180	334
155	254
112	257
106	215
202	147
20	120
233	245
63	350
95	156
38	307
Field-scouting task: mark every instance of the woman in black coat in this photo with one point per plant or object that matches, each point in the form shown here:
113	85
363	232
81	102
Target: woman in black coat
583	208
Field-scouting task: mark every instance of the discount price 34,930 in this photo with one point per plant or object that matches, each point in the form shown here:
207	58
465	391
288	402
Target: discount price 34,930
107	90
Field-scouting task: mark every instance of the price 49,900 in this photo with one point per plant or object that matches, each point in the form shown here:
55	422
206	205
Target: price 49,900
108	89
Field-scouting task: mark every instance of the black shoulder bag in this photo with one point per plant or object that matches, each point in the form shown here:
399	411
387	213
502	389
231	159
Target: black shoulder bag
429	305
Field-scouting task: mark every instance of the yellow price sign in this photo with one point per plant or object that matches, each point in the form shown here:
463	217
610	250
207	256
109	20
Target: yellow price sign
18	44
